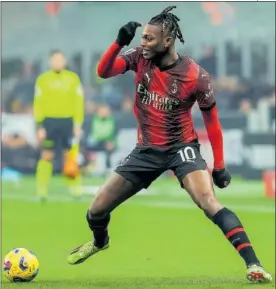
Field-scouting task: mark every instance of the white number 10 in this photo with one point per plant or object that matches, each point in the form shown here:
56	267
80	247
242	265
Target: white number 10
187	154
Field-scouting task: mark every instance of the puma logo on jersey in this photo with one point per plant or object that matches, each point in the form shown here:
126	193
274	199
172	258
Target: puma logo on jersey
148	78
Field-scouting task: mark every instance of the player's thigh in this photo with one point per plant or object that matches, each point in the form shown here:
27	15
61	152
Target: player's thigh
137	171
116	190
142	166
191	171
199	185
186	160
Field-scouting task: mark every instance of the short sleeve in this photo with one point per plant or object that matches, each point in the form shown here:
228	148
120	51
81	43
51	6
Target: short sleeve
204	91
132	58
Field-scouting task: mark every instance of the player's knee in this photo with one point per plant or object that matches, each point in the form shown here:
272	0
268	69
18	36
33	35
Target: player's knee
47	155
204	200
209	203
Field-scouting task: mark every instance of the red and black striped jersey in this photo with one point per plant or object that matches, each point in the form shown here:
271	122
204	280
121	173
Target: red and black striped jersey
165	97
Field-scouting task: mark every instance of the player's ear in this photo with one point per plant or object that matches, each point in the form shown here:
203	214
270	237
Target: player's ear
168	41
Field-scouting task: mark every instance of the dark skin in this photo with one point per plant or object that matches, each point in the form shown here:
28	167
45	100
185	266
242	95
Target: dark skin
158	46
115	191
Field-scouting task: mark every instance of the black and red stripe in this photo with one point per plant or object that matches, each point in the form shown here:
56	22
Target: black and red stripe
238	238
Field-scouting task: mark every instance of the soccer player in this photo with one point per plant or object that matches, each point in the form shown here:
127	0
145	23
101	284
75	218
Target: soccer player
167	86
59	114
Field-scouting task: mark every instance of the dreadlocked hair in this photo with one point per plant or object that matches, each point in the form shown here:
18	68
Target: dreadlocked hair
168	21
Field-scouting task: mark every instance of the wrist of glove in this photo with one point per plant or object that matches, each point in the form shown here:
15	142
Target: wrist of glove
221	178
127	33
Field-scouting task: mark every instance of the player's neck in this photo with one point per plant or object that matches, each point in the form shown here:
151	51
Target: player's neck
167	60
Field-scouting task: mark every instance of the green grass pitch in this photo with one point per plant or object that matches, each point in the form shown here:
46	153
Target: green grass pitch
158	240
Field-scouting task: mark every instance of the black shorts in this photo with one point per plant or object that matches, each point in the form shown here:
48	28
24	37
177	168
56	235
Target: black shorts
145	164
59	133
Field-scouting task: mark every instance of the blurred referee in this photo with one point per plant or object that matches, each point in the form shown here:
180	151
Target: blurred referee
59	114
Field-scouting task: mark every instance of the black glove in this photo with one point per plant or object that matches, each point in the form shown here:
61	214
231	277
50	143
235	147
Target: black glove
221	178
126	33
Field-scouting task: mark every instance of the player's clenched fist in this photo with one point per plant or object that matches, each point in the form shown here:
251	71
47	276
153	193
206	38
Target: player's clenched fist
222	178
127	33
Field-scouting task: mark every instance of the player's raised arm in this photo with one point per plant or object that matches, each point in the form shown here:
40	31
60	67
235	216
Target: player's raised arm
207	103
110	64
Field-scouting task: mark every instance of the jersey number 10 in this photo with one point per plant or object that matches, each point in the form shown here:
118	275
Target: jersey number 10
187	155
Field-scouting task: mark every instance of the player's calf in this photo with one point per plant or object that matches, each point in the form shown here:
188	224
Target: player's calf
199	187
98	225
110	195
234	231
231	226
102	203
98	217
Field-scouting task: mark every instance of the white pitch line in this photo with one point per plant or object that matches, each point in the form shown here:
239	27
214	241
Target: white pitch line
183	205
147	203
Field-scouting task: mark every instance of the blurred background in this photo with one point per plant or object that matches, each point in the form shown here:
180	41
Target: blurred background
235	43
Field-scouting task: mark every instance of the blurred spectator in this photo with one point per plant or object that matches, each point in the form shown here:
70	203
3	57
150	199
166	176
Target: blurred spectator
127	105
245	106
17	153
102	132
125	84
233	59
225	89
21	97
90	104
90	107
112	96
14	141
208	61
271	102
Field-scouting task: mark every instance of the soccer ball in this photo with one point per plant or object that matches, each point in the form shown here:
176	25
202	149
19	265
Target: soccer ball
20	265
